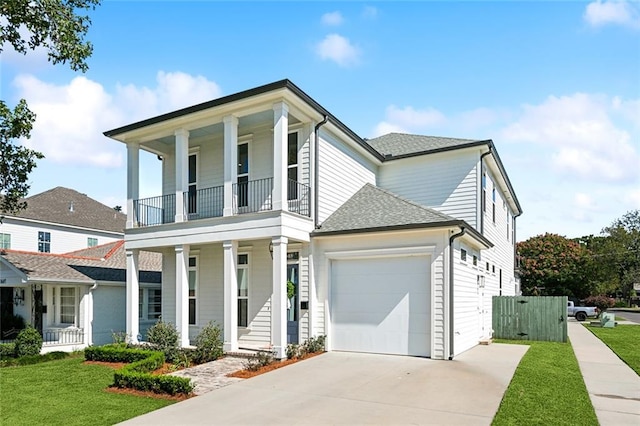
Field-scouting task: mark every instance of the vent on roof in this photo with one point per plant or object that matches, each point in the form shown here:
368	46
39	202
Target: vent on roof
71	207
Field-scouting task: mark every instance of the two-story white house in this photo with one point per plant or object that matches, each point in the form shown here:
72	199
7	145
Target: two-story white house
392	245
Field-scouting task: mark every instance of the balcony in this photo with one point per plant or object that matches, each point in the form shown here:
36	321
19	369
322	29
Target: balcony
248	197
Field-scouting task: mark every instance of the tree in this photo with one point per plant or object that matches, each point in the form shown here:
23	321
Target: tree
552	265
55	26
620	254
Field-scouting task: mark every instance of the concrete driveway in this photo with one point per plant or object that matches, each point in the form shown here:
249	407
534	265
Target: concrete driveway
352	388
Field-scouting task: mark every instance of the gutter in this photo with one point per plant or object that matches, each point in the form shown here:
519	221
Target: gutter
452	238
316	173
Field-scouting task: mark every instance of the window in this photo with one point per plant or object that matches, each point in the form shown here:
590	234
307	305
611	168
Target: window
493	269
243	290
193	289
149	303
243	175
463	255
64	305
484	192
44	242
5	241
292	166
475	260
92	242
493	211
487	266
293	275
192	204
500	281
508	223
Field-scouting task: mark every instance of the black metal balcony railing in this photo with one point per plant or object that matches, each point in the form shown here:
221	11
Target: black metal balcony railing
252	196
155	210
204	203
249	197
299	196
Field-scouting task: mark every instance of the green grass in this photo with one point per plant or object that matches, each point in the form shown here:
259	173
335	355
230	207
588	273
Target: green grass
624	340
546	389
66	392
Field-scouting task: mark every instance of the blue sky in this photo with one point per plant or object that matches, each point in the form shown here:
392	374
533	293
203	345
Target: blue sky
556	85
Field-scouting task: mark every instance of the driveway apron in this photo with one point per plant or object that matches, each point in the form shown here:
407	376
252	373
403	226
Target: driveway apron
354	388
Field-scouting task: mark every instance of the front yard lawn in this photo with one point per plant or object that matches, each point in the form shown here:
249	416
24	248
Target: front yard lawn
624	340
66	392
546	389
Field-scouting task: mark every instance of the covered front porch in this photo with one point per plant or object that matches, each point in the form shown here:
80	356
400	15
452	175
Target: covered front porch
258	290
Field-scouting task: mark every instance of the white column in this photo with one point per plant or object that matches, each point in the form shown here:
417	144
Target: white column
280	137
133	286
230	161
278	297
182	172
230	296
182	293
133	181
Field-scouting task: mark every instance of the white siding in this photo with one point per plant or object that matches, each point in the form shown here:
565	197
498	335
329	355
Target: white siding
64	239
303	321
109	313
342	172
209	301
169	285
446	182
260	289
466	325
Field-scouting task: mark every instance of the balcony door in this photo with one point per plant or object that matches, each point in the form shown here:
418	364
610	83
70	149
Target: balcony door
192	198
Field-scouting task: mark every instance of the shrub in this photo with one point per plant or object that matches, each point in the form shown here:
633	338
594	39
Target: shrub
293	351
314	344
601	302
28	342
208	344
7	350
119	337
163	336
261	359
621	304
115	353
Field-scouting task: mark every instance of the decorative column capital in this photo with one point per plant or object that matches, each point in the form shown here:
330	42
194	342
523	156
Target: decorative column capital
230	120
184	133
281	108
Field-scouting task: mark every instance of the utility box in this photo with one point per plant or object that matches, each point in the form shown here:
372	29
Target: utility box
608	319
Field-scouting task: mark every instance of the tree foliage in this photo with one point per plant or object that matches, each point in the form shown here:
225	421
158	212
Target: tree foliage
552	265
56	26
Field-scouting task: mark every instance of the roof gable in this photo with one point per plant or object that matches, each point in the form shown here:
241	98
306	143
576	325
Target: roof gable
402	144
69	207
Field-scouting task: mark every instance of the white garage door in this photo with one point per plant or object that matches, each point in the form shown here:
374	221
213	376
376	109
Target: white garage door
381	305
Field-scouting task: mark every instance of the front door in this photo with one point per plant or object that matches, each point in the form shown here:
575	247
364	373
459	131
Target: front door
293	305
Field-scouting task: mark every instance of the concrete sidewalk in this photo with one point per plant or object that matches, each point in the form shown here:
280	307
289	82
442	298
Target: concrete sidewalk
614	388
352	388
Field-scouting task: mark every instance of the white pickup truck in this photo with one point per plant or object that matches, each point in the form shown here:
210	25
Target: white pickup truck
581	312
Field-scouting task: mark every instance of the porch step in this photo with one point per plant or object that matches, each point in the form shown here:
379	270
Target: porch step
486	341
246	352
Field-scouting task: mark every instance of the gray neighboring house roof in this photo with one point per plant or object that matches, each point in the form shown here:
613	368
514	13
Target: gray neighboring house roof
402	144
375	209
102	263
69	207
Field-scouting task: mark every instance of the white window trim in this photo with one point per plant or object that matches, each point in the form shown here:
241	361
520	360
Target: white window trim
196	289
144	300
3	235
57	307
246	267
47	242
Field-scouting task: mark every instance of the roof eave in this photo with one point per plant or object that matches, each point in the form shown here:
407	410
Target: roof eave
437	150
503	172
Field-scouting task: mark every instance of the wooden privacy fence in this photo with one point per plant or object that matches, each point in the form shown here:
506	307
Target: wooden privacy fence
530	318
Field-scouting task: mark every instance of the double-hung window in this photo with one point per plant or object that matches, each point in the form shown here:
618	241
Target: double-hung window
193	289
243	175
484	192
44	242
243	290
149	303
92	242
292	166
64	305
5	241
192	204
493	211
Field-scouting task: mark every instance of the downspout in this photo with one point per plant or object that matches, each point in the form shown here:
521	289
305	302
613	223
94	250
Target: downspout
451	287
316	173
483	200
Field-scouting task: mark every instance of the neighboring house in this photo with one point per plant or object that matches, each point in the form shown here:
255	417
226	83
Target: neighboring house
78	299
394	245
59	220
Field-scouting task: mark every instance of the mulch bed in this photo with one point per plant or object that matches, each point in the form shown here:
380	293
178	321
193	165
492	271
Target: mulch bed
246	374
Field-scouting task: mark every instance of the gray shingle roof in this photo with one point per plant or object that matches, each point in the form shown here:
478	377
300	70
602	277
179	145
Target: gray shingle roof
372	208
54	206
399	144
103	263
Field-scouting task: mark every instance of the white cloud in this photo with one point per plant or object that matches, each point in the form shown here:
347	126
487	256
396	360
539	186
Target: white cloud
332	19
71	117
600	13
36	58
408	120
580	134
339	49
